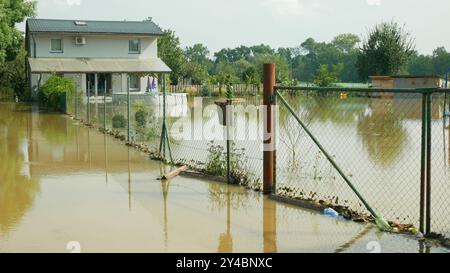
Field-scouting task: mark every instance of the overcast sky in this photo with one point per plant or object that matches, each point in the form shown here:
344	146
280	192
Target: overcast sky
278	23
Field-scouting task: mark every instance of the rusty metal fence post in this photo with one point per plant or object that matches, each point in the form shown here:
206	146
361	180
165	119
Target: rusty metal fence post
269	129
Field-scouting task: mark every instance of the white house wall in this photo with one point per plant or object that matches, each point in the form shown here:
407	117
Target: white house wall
97	46
105	46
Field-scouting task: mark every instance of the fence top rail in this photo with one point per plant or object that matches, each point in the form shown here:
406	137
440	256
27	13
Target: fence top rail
355	89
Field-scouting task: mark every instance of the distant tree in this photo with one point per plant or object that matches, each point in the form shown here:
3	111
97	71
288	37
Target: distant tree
241	67
441	60
223	78
12	12
346	42
262	49
233	55
170	52
197	53
420	65
282	69
326	76
197	64
251	77
385	52
198	73
243	52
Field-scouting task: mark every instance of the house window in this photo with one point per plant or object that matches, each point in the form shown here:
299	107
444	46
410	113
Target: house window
135	83
56	45
134	46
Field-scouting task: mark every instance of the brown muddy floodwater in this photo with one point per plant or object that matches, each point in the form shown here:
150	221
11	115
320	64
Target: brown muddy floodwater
62	183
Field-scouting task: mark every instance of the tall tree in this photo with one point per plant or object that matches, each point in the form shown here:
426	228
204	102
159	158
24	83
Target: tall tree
420	65
346	42
12	12
172	54
441	60
385	52
197	53
282	71
198	64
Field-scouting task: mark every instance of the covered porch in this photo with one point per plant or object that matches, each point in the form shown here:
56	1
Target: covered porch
101	78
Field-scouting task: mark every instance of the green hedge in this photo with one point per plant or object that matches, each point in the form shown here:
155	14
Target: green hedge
52	94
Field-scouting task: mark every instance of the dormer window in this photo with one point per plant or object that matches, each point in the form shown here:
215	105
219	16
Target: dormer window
134	46
56	46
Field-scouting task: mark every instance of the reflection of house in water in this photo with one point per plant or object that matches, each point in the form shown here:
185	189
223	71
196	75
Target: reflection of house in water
408	81
412	108
410	105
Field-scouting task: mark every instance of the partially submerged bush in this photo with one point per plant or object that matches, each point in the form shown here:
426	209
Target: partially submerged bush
53	93
141	114
217	162
119	121
206	92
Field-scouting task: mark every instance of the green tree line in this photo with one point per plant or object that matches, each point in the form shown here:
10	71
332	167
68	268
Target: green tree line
388	49
12	50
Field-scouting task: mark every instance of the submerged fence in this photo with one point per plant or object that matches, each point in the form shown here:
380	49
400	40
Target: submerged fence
392	146
208	89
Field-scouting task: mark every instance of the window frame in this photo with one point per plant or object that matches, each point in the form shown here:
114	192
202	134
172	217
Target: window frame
61	43
138	88
138	51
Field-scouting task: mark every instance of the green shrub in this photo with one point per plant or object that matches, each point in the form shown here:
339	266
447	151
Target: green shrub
217	162
6	93
52	93
119	121
141	118
205	91
141	114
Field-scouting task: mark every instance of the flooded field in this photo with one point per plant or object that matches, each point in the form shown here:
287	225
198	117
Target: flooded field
376	142
61	182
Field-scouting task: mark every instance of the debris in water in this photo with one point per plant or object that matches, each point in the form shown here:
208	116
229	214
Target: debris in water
331	212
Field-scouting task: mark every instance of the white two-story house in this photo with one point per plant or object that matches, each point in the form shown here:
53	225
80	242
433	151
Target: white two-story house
115	56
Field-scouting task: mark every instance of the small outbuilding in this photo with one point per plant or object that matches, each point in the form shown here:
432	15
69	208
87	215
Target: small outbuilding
408	81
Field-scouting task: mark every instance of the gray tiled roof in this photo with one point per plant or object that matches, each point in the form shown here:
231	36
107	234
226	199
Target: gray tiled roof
112	27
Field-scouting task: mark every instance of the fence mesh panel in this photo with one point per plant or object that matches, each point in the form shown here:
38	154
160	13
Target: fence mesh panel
440	170
375	140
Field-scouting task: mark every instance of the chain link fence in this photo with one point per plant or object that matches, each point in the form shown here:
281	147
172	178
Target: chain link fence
374	138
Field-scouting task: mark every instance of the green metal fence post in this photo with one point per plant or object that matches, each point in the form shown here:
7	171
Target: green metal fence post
75	96
428	188
228	124
128	110
88	106
104	107
66	96
164	133
423	163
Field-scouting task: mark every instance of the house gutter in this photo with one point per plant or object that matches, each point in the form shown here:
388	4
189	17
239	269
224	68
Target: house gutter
101	33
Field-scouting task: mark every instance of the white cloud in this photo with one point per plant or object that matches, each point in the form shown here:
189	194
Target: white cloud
373	2
291	7
68	2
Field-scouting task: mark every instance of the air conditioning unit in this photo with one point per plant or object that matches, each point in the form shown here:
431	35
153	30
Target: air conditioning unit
80	40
